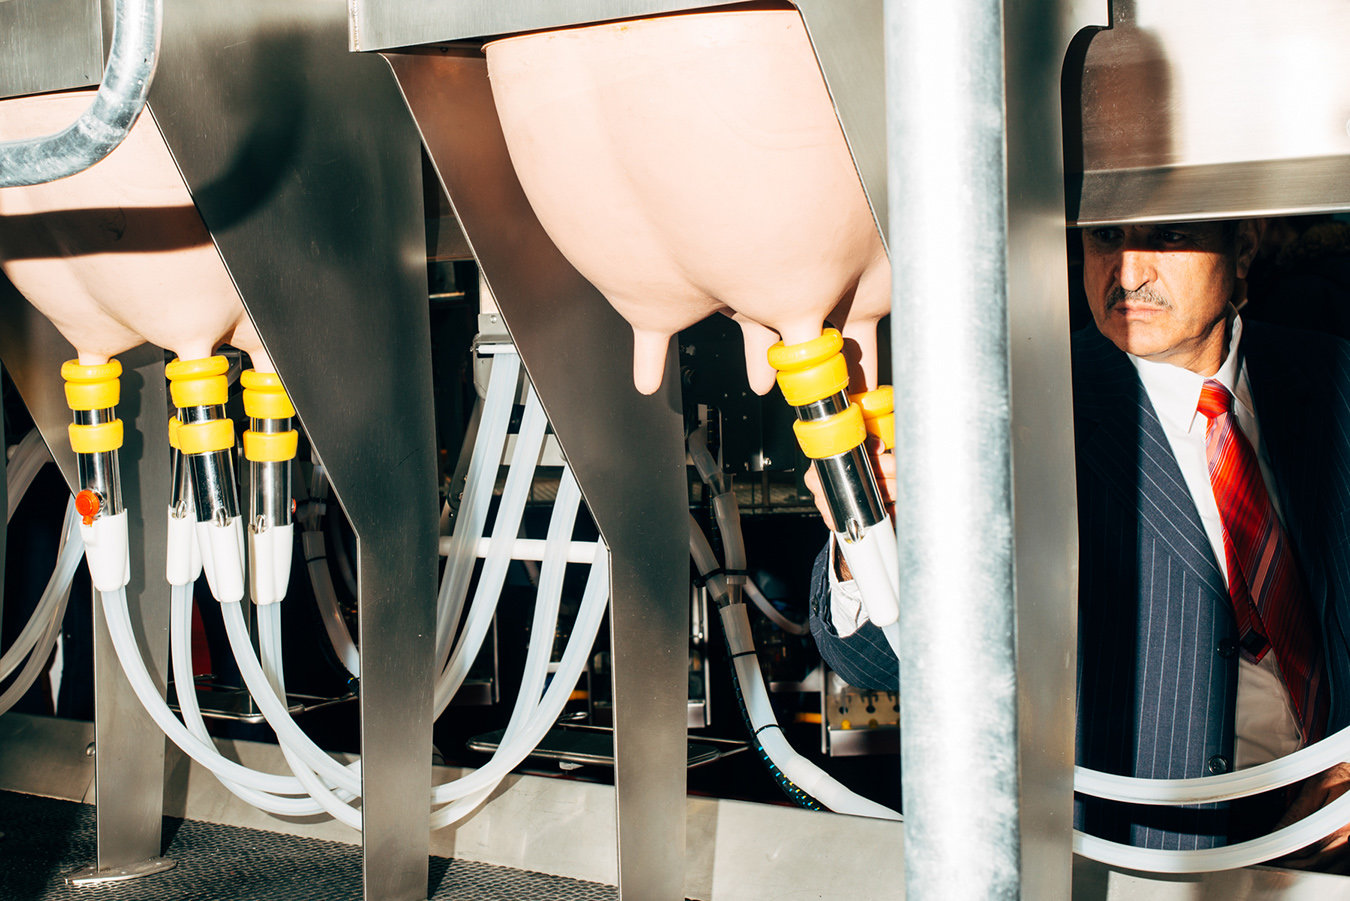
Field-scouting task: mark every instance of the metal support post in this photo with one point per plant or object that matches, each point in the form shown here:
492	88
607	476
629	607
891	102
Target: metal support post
129	768
984	422
307	172
626	450
958	678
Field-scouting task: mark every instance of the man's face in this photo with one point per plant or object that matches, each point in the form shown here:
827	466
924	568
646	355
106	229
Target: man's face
1162	291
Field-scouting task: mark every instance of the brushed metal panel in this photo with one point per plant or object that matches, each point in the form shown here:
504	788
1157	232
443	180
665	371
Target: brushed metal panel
626	450
1036	38
129	763
1217	191
846	35
1214	107
306	170
49	45
1093	881
385	25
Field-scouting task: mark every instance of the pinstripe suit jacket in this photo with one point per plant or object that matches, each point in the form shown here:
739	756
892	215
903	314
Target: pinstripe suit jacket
1157	662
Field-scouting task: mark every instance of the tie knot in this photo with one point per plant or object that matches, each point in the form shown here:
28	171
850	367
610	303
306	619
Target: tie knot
1214	399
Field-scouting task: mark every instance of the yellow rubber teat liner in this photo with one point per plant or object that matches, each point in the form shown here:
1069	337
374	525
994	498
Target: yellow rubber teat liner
265	447
96	439
832	436
203	437
92	387
264	397
198	383
812	370
878	408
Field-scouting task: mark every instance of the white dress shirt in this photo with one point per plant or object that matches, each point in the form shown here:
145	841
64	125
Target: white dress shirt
1266	727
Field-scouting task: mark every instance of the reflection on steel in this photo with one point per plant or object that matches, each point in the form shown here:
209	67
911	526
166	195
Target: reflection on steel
130	762
1036	38
307	172
383	25
958	672
1212	109
626	450
94	876
988	539
49	46
320	225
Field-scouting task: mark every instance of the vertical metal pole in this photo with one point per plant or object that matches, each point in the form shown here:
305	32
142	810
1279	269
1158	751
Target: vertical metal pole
949	233
129	758
625	449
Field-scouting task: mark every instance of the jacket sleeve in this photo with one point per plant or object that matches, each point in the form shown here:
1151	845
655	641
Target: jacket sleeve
863	659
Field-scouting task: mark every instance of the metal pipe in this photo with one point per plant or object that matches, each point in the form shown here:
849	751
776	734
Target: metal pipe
949	333
114	110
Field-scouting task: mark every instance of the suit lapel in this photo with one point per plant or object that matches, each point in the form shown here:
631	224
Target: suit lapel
1122	442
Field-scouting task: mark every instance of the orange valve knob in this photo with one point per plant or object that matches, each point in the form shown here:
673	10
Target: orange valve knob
87	504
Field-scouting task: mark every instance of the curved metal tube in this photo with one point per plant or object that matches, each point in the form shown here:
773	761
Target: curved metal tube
116	106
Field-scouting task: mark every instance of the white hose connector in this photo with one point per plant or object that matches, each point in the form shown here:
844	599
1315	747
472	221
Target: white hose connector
270	550
183	564
222	550
105	549
801	772
874	561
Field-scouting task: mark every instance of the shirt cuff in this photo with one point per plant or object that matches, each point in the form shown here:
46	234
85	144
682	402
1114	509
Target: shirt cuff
846	609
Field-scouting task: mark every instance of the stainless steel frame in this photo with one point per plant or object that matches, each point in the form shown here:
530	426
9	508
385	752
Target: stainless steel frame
308	175
129	761
446	90
984	423
1211	110
557	319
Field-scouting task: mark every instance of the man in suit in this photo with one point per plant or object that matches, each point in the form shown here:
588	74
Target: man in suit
1213	467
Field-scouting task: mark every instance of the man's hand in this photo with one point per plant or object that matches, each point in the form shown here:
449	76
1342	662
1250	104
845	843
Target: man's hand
1330	854
883	465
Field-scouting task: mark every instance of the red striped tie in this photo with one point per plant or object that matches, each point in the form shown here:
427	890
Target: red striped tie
1263	580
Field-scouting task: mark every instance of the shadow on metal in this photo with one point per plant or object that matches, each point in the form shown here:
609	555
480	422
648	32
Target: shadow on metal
308	175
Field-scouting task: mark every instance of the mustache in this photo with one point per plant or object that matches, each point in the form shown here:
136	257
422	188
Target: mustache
1145	295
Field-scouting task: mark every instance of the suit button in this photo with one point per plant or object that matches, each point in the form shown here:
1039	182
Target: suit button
1218	764
1227	648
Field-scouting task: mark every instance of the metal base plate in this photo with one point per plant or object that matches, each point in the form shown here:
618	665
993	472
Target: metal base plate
581	745
94	876
224	863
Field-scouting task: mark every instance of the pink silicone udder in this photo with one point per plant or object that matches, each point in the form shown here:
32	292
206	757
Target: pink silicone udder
694	163
116	255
